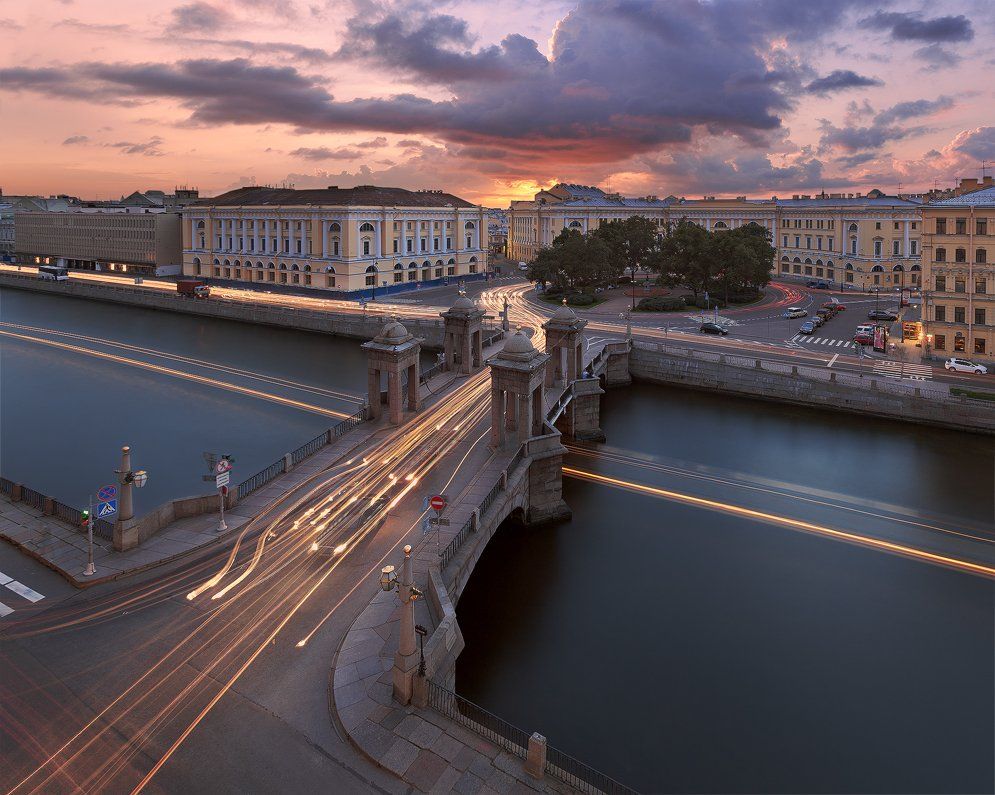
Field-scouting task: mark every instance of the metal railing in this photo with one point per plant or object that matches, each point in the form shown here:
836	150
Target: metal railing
454	544
308	449
478	719
66	513
6	486
505	735
431	372
580	776
33	498
261	478
491	496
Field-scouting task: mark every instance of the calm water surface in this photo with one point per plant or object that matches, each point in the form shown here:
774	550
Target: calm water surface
64	415
684	650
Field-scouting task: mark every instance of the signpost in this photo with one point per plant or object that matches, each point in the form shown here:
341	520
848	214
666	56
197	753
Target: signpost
222	477
438	502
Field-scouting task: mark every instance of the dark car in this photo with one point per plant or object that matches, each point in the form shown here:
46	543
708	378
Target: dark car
824	313
881	314
822	286
811	284
713	328
808	327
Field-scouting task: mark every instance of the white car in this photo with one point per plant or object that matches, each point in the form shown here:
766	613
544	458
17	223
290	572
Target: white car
965	366
795	311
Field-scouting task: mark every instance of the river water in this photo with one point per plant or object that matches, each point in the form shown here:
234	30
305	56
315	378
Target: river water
64	415
680	649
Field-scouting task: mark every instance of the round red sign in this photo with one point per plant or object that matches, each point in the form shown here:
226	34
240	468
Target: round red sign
438	502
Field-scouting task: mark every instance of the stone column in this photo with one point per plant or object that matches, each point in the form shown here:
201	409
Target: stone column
373	392
524	417
511	413
279	236
406	659
125	508
497	417
324	239
394	405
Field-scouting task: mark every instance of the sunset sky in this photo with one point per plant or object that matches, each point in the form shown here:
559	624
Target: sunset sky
490	100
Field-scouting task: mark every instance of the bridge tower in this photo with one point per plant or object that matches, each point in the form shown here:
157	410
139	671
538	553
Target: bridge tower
516	392
464	332
565	346
395	352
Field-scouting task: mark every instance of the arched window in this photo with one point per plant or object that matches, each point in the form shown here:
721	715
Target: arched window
915	268
877	269
473	259
294	267
940	255
270	266
981	256
217	261
283	266
371	269
329	269
399	267
196	261
307	268
796	260
200	225
411	265
366	227
451	262
259	264
898	269
371	276
238	264
784	259
818	262
334	227
227	263
849	266
808	261
853	228
573	225
719	225
829	263
470	225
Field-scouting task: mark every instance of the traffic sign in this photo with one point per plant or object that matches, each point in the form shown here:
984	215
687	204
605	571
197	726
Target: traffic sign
437	503
439	521
223	465
107	508
222	479
106	493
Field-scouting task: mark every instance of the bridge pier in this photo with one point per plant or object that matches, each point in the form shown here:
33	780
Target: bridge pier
516	392
581	420
565	346
395	352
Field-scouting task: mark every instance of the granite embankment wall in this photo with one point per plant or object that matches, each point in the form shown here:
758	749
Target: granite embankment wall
356	325
925	402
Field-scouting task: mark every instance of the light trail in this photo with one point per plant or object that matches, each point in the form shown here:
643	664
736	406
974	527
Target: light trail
155	368
798	524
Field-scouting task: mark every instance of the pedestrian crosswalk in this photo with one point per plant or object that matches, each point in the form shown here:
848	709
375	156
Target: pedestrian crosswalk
899	370
829	343
20	589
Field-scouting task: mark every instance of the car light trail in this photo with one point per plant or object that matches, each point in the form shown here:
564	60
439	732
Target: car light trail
155	368
798	524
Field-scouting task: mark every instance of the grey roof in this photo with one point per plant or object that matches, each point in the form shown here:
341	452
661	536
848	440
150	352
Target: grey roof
978	198
863	201
360	196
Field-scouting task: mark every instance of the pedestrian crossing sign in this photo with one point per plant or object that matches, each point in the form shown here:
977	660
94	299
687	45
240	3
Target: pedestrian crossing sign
106	509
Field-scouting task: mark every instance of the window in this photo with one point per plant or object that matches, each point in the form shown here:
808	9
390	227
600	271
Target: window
398	277
438	273
366	248
411	244
877	225
808	242
940	255
959	343
366	227
853	245
396	245
940	313
877	247
915	224
941	284
980	285
959	286
469	242
785	244
849	277
450	271
896	247
435	244
423	244
913	248
960	226
981	226
940	342
979	317
818	243
798	242
877	278
449	244
941	226
960	255
897	226
335	248
959	314
979	344
981	256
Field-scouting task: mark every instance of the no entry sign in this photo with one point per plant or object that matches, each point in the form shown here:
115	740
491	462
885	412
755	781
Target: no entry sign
437	503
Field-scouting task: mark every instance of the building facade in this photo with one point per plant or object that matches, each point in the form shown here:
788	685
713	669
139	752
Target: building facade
866	242
959	274
348	239
136	241
6	229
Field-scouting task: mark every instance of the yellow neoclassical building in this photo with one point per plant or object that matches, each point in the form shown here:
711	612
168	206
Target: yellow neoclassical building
959	273
344	239
866	242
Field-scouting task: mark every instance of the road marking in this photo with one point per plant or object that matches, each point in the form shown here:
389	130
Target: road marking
4	610
833	360
4	579
22	590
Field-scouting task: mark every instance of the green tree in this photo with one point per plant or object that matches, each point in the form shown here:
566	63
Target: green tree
633	244
573	262
685	258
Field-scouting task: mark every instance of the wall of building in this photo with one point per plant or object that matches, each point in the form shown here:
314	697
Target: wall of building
340	248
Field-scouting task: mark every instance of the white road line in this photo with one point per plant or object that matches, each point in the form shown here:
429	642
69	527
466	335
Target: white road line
4	610
23	590
833	360
4	579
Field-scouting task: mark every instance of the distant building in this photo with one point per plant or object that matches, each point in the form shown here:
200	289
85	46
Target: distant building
348	239
958	251
6	229
863	241
140	243
497	232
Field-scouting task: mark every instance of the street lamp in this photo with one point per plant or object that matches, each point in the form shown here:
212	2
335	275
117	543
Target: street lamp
388	578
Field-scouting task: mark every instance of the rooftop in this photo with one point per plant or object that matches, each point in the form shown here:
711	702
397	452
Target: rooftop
978	198
362	195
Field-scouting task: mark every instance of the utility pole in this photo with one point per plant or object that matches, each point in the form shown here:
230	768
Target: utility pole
90	570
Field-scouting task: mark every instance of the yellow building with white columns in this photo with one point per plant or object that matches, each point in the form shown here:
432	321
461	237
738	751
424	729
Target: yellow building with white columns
344	239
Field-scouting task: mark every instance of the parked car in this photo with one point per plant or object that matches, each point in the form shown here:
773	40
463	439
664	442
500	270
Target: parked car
822	286
818	320
795	311
965	366
811	284
713	328
882	314
807	327
824	313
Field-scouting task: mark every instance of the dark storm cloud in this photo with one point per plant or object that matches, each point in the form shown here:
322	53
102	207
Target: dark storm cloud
149	148
324	153
623	77
840	80
885	126
75	139
310	55
905	26
852	161
911	110
936	57
198	17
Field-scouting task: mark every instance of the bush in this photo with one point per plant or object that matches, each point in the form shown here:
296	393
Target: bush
580	299
745	296
700	302
668	303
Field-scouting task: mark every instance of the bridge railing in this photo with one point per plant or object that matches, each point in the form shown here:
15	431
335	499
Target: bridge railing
52	507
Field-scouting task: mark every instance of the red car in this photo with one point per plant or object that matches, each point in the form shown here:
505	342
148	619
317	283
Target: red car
864	338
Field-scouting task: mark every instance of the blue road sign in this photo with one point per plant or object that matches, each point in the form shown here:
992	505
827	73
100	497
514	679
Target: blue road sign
105	509
106	493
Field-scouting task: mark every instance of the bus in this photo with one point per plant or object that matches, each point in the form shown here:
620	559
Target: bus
55	273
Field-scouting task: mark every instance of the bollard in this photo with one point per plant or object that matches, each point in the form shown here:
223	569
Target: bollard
48	506
288	462
16	492
794	371
758	364
535	761
832	378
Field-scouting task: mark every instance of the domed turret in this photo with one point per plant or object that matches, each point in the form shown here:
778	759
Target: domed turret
463	303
